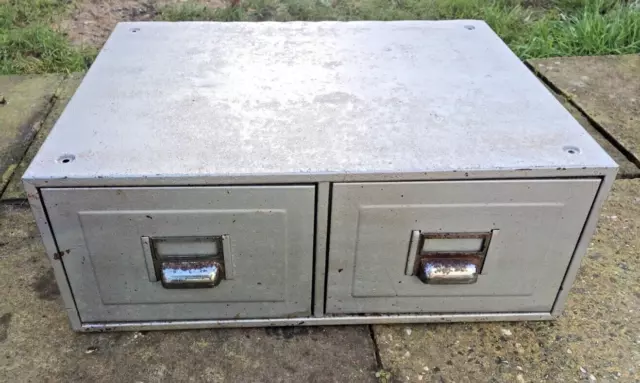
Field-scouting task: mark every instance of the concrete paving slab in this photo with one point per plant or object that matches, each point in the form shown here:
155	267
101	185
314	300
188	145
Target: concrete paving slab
65	91
24	101
627	168
597	337
607	88
37	345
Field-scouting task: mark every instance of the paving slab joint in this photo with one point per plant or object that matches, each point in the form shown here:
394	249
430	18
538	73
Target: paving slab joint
376	349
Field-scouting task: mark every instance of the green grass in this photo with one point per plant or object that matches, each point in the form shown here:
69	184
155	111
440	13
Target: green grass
29	44
531	28
590	31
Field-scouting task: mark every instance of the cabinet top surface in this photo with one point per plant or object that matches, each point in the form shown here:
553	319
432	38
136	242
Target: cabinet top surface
327	98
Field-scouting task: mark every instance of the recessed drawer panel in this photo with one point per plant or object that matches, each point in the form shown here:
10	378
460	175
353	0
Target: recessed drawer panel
169	253
454	246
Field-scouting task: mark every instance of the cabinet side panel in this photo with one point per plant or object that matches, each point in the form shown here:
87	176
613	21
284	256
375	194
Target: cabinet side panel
583	242
48	240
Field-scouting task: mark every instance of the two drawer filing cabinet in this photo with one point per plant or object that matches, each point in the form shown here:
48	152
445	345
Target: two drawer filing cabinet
266	174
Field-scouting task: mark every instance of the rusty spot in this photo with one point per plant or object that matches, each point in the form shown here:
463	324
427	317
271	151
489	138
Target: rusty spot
191	265
454	235
58	255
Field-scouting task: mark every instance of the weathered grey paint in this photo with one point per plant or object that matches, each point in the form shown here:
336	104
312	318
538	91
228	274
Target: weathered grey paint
540	222
298	102
583	243
99	235
306	107
53	253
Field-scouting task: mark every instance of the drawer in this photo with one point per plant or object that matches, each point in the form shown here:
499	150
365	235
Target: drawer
178	253
388	239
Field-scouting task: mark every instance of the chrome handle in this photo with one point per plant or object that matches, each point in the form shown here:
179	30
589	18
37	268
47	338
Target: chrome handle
188	262
448	258
448	271
190	274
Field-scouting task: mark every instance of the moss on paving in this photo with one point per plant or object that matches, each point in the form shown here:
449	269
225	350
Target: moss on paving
27	101
14	190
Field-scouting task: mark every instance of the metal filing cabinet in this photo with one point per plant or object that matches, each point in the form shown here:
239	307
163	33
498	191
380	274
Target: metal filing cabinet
216	175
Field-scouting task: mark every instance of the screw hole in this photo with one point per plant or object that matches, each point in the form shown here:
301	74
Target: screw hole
65	159
134	30
571	149
469	27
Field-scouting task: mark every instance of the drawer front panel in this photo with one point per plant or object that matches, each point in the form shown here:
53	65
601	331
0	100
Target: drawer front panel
124	249
530	227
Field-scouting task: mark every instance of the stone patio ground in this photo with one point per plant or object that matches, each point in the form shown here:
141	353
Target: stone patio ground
596	339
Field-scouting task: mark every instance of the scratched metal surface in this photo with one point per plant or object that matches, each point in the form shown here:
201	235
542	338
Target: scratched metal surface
171	100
